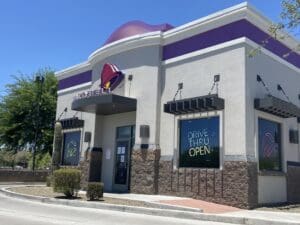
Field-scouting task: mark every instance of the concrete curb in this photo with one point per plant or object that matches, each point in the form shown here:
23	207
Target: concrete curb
148	211
149	204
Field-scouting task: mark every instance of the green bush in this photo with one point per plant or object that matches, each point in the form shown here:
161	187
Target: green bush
7	158
42	161
49	181
66	181
94	190
22	158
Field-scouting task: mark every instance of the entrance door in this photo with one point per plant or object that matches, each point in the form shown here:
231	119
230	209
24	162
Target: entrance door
124	143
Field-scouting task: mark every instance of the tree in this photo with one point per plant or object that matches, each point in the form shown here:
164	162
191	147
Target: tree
290	16
290	21
289	24
19	117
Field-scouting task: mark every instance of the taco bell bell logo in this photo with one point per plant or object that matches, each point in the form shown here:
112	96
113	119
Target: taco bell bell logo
111	77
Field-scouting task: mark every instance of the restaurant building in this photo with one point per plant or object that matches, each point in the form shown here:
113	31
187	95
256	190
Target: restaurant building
188	111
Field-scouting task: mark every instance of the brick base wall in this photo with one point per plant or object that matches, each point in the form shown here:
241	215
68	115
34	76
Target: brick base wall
235	185
90	168
23	175
144	171
293	182
84	166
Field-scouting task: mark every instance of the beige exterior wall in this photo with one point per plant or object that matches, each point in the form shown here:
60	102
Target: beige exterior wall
155	82
271	189
108	141
273	71
197	75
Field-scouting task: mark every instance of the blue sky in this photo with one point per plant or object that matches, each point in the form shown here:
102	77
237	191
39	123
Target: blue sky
59	33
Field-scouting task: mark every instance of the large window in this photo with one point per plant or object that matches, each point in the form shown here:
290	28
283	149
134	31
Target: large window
71	148
199	143
269	145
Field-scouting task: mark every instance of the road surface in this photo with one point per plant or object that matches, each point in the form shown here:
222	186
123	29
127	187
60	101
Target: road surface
22	212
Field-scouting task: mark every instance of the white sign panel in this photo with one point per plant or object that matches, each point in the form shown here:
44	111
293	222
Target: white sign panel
107	153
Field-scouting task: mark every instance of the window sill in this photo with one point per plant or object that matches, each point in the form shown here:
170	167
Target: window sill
271	173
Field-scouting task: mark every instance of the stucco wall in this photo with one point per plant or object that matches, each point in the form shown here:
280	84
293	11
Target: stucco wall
155	83
143	64
273	71
197	76
65	100
271	189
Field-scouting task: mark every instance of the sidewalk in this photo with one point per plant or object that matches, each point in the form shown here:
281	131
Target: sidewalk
267	215
213	208
207	207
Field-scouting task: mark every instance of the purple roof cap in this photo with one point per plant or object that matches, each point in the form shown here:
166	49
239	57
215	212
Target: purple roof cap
135	27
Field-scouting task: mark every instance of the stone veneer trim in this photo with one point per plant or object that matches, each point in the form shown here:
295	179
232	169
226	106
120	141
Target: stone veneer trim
235	185
144	171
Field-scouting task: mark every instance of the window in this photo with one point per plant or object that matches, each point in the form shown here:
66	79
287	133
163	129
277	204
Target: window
199	143
124	132
71	148
269	145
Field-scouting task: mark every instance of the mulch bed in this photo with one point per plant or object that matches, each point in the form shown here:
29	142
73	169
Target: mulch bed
43	191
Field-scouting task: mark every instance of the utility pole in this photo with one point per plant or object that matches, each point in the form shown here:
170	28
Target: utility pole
39	80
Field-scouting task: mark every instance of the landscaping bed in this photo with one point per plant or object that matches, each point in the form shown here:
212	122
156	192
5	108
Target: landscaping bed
43	191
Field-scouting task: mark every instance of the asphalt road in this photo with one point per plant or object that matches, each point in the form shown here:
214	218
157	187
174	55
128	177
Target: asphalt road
22	212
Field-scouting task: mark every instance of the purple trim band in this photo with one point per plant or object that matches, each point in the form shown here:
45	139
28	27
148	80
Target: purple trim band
241	28
228	32
75	80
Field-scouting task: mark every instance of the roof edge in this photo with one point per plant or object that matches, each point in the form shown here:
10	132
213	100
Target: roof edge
243	10
246	11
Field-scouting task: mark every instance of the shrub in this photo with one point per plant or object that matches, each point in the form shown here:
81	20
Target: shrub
94	190
45	161
42	161
22	158
7	158
49	181
66	181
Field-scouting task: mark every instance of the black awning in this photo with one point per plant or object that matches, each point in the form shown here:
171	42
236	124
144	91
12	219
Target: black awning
104	104
70	123
277	107
198	104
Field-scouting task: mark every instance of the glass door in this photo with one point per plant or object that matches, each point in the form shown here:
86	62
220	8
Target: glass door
124	143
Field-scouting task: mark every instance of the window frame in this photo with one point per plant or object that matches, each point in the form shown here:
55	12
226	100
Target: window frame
63	147
281	143
220	133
